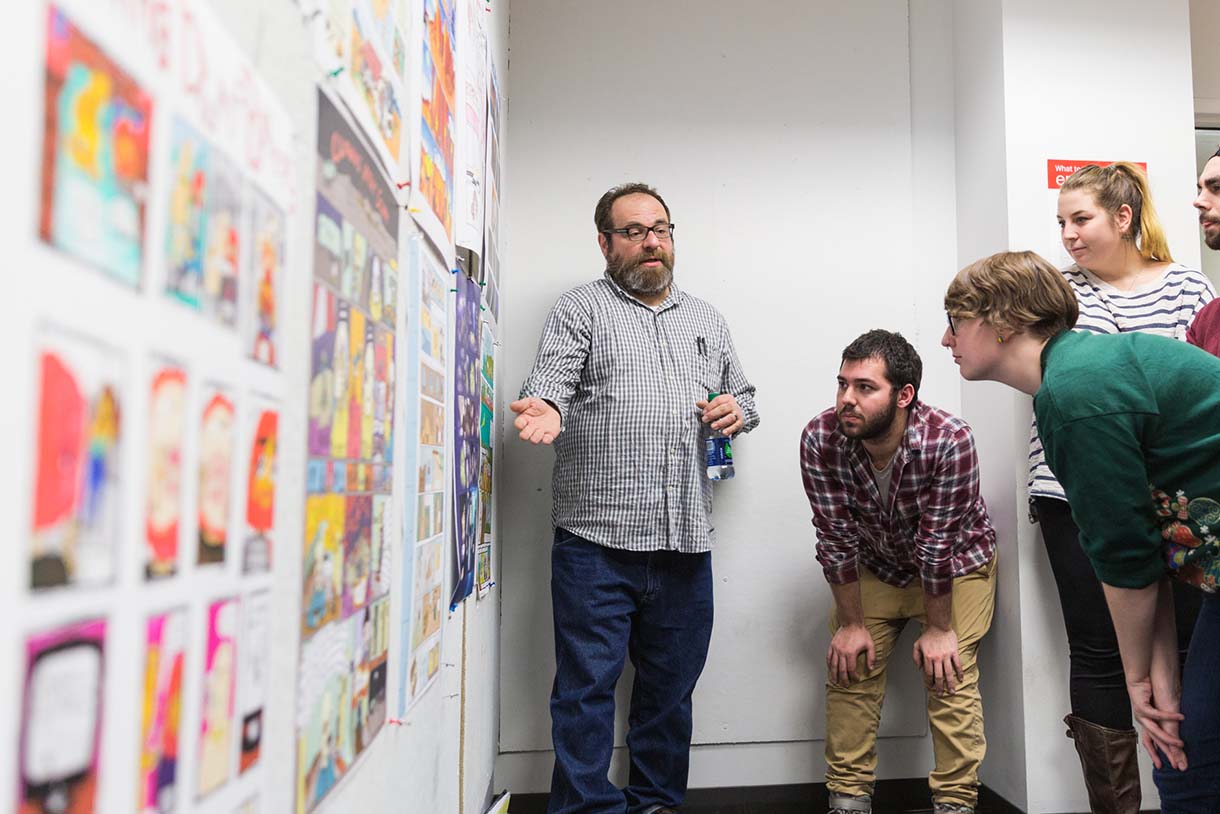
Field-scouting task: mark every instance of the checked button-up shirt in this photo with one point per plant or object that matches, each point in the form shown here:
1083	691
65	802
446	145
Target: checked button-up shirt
630	470
934	525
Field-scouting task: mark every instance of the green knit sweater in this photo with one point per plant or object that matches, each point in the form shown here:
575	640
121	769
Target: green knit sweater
1131	427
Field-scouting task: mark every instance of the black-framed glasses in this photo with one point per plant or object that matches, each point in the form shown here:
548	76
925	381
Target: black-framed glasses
636	233
952	325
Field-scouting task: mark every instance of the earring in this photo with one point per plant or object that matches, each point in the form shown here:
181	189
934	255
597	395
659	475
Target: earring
999	339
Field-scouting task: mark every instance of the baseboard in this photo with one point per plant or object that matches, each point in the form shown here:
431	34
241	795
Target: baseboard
906	795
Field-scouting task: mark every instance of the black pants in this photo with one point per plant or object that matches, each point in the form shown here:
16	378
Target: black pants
1098	688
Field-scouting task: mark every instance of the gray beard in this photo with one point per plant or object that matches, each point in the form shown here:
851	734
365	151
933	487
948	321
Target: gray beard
635	280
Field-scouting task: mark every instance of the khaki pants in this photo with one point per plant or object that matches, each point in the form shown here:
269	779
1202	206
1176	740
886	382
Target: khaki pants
852	712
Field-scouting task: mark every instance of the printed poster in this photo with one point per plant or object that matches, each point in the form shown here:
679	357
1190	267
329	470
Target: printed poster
432	193
350	442
266	263
472	129
253	675
261	473
216	712
61	725
76	472
216	447
161	712
167	421
491	225
423	573
94	155
467	400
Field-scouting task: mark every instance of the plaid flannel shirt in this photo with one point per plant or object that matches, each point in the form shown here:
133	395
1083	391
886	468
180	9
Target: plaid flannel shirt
630	470
934	524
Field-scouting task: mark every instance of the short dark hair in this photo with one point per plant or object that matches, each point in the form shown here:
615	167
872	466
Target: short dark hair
601	213
902	363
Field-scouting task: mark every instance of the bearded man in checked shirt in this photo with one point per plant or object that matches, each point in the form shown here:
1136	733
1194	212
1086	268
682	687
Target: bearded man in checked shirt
902	533
620	386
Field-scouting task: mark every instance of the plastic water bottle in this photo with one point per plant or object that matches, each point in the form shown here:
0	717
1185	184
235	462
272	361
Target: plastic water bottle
719	452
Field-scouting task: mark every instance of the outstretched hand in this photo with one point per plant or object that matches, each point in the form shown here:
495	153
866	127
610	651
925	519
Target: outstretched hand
537	420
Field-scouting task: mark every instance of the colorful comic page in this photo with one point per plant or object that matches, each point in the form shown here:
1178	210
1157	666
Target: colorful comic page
350	442
216	711
94	155
266	264
204	233
467	399
252	672
167	421
161	712
61	725
433	191
261	470
216	447
371	636
76	471
325	749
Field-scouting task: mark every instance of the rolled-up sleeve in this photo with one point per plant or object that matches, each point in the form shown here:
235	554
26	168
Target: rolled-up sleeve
562	352
837	534
953	493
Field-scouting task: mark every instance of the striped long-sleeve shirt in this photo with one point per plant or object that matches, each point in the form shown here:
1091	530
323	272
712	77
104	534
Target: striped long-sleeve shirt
630	470
1165	307
932	525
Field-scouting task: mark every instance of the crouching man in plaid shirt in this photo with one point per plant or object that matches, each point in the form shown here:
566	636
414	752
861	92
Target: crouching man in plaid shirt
620	385
902	533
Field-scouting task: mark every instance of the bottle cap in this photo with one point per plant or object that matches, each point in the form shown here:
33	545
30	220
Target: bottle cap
712	395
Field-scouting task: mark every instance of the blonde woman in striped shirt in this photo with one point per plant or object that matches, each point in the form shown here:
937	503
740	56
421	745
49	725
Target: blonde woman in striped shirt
1125	280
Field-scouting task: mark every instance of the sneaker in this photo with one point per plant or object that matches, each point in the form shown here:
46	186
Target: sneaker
952	808
845	804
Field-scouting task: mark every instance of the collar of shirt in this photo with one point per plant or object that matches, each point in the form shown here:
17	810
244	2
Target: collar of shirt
912	440
674	298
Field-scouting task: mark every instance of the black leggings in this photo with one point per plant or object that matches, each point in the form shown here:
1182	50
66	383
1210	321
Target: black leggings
1098	689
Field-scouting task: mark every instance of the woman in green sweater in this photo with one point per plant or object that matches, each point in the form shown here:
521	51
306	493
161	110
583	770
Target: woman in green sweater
1131	428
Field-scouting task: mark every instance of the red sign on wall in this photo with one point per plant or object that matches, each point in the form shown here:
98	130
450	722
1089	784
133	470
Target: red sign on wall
1058	169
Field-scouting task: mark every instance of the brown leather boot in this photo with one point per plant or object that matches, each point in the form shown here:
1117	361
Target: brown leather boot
1111	769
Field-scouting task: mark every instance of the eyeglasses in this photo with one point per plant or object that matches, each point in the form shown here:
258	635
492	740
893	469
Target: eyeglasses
636	233
952	326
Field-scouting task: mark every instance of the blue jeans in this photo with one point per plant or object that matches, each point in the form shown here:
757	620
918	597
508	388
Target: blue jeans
1198	788
656	607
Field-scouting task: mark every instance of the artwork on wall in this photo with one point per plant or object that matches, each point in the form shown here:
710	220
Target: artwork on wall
266	265
261	472
163	477
361	46
472	127
94	154
350	442
424	524
216	446
77	478
432	196
213	767
491	220
467	398
205	230
161	712
253	678
61	725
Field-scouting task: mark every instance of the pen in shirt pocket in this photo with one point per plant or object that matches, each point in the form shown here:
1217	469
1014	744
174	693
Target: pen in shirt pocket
701	346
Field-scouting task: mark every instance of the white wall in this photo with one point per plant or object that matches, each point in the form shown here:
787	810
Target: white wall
783	143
